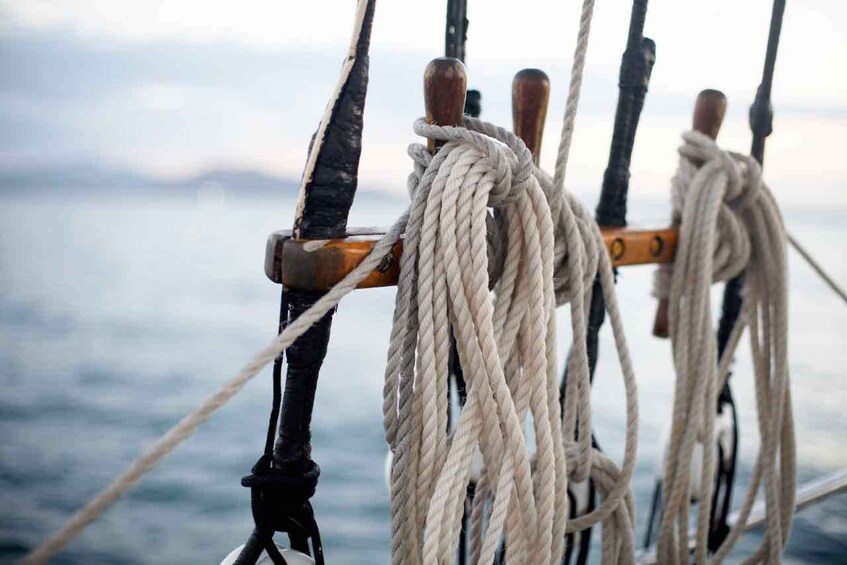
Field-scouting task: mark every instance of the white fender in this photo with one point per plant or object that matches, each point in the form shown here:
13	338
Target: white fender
723	434
477	464
580	492
292	557
389	459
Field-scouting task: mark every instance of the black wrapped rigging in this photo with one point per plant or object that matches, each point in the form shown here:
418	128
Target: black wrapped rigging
285	477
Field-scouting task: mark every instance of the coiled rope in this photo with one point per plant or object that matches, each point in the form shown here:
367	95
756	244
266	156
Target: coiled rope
507	350
728	222
507	347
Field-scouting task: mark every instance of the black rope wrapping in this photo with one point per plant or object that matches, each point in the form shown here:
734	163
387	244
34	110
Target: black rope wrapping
725	476
280	496
285	477
280	503
305	356
456	34
473	103
332	186
636	67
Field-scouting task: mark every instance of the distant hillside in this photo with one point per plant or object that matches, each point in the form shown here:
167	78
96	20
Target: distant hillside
239	179
86	177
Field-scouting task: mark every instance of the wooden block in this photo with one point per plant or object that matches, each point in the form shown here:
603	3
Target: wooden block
317	265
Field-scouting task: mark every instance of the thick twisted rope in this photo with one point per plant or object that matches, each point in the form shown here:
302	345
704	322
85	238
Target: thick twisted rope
577	249
574	89
583	460
448	221
507	348
728	222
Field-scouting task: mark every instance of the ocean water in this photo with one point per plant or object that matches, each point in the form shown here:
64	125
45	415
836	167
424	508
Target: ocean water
119	312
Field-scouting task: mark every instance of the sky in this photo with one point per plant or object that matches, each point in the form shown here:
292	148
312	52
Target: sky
172	88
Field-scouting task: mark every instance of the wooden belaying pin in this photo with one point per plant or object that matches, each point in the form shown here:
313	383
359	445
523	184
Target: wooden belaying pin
530	96
709	111
445	86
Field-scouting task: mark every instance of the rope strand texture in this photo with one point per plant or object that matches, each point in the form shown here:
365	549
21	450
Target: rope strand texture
574	90
507	346
729	222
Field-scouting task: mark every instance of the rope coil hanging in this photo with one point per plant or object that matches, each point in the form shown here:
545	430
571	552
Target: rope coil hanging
728	222
427	513
508	351
448	218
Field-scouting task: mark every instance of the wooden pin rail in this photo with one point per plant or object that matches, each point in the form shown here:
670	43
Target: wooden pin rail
317	265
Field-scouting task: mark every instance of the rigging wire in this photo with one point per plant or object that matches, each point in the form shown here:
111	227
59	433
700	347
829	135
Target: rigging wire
816	265
761	124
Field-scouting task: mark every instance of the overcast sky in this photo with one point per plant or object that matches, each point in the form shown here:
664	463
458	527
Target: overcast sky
174	87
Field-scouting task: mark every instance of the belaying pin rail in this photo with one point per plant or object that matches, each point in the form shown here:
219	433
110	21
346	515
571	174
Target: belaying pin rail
316	265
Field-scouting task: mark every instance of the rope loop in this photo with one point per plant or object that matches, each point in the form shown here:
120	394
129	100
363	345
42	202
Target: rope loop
546	250
724	186
728	223
500	151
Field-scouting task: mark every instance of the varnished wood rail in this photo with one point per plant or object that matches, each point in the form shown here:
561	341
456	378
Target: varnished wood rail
317	265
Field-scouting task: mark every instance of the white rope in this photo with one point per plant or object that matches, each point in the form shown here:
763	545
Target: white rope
574	89
548	506
444	277
426	515
507	348
728	222
818	268
617	512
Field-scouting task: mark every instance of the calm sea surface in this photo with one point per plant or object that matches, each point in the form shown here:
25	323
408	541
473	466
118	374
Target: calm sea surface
119	313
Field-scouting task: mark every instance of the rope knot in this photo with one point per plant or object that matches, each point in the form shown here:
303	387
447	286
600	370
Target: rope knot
751	185
713	187
743	173
728	222
497	149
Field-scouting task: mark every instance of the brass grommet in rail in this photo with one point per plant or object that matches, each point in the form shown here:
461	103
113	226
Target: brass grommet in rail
617	249
657	245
